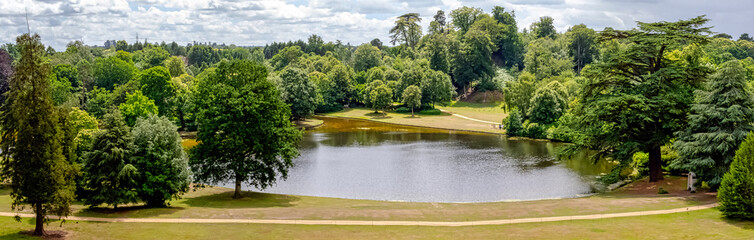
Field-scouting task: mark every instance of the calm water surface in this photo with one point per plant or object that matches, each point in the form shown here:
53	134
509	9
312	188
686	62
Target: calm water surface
367	160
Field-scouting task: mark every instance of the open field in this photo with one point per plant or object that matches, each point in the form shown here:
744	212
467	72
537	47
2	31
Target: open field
492	112
442	121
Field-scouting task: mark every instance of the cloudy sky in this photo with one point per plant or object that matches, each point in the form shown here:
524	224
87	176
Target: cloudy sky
258	22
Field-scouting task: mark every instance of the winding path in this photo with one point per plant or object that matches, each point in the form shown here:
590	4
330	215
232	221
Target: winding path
377	223
467	118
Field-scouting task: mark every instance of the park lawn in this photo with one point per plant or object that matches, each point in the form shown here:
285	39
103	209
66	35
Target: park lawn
702	224
442	121
216	202
492	112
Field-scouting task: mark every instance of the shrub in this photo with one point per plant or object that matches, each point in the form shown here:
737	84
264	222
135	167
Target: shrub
736	193
403	110
512	123
431	112
662	191
534	130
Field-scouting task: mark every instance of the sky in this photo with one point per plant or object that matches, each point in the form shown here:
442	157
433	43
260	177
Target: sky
255	23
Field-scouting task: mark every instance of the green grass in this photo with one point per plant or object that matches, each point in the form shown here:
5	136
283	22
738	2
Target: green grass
492	112
703	224
443	121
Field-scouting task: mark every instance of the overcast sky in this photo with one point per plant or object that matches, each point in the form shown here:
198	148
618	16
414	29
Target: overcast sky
259	22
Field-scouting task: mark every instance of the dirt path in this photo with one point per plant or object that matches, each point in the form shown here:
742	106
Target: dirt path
377	223
468	118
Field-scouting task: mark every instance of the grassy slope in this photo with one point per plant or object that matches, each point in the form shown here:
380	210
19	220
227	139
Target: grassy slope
492	112
704	224
445	121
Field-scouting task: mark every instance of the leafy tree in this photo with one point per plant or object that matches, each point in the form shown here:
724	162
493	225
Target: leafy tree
474	61
121	45
245	133
464	17
381	98
510	45
544	58
708	149
84	126
513	123
285	57
125	56
175	66
61	89
519	93
366	57
137	106
377	43
412	97
202	55
298	92
112	71
153	57
6	71
636	98
547	104
437	26
109	177
68	72
745	37
581	46
342	84
162	164
157	85
544	28
33	140
98	102
436	87
736	194
406	30
86	74
437	49
723	35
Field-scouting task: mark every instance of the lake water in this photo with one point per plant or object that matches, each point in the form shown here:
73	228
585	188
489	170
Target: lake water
368	160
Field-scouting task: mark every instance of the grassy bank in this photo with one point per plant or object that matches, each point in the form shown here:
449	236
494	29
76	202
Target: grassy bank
443	121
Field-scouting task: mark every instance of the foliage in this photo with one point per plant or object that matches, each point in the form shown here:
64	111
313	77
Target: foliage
544	28
109	177
546	58
285	57
436	87
518	93
162	165
464	17
84	126
638	97
61	89
34	142
366	57
548	103
6	71
412	97
153	57
298	92
707	149
513	123
406	30
510	45
175	66
157	85
381	98
137	106
98	102
67	72
342	84
241	116
736	193
112	71
430	112
582	45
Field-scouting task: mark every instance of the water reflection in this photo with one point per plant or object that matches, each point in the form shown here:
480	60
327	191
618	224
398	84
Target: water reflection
367	160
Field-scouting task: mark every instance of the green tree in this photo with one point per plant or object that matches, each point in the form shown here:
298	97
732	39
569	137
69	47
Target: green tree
412	97
342	84
298	92
109	176
708	149
736	193
245	133
474	60
137	106
366	57
202	55
33	141
513	123
518	94
464	17
61	89
635	99
112	71
84	126
547	104
157	85
121	45
582	45
406	30
153	57
382	98
175	66
438	25
86	74
544	28
162	164
285	57
545	58
510	46
68	72
98	102
436	87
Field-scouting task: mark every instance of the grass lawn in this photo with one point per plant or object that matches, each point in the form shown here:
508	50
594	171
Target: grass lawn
444	120
492	112
703	224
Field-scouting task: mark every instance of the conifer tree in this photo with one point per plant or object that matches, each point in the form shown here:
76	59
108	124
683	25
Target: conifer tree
736	193
718	123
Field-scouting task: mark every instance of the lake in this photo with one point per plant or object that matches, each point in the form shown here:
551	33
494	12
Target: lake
361	159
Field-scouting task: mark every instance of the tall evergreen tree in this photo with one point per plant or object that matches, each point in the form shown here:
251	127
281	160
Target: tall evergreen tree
33	142
736	193
109	176
718	123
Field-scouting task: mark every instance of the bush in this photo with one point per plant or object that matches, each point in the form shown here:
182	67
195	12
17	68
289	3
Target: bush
512	123
430	112
535	130
403	110
640	160
736	193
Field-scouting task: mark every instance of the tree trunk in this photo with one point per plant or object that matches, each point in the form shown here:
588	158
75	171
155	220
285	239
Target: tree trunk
655	164
39	229
412	112
237	194
183	121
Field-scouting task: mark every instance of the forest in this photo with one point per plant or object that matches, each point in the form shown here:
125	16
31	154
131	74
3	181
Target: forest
661	97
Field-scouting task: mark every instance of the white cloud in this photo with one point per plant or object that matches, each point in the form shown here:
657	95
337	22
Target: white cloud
356	21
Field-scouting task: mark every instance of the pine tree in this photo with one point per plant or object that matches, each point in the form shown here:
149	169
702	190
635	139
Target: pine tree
109	178
718	123
33	142
736	193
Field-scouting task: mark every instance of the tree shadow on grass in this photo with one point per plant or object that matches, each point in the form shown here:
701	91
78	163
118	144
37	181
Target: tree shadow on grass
139	211
249	200
748	225
377	115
